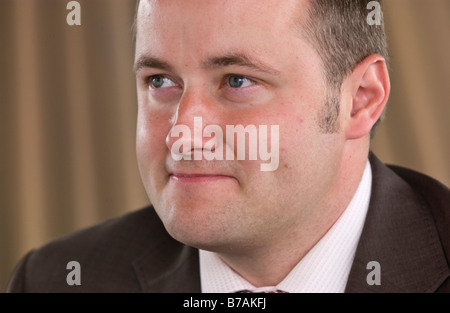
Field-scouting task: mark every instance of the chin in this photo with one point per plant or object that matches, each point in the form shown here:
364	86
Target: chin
201	235
197	239
200	224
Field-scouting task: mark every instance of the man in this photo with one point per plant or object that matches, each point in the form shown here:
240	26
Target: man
310	79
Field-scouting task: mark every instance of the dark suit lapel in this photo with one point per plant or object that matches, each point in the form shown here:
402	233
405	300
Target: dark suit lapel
168	267
400	234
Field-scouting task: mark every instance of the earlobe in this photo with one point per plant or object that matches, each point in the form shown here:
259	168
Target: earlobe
370	87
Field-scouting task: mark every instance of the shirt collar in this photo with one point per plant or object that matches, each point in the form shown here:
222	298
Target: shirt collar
324	269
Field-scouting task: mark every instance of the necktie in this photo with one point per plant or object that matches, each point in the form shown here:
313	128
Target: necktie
268	291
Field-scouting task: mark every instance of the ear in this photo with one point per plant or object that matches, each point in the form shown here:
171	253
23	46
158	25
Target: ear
369	87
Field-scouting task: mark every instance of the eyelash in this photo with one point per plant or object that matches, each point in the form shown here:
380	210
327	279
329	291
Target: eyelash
227	79
148	79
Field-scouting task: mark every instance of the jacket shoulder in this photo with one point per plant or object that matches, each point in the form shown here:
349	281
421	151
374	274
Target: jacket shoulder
436	196
405	231
434	192
105	253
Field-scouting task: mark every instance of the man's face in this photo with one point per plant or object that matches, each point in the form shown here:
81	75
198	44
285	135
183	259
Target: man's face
232	63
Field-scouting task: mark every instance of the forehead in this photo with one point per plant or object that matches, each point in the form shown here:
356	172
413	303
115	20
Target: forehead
214	22
223	8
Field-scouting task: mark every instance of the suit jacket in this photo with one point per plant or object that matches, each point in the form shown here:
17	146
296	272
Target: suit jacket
406	231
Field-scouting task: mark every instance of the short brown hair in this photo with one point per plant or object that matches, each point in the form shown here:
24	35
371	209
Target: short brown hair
340	33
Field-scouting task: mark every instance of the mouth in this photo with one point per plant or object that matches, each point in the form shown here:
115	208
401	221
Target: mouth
198	178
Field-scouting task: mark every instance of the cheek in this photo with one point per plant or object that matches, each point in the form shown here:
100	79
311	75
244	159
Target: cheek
152	130
297	140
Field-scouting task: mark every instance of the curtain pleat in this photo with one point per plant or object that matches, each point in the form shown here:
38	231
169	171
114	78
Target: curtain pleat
416	132
68	113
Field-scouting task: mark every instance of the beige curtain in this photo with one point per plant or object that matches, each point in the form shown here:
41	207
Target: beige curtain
68	110
416	132
67	120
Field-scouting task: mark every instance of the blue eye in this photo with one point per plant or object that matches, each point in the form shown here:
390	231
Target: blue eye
239	81
160	81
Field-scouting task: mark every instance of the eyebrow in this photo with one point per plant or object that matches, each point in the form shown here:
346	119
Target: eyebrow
147	61
239	59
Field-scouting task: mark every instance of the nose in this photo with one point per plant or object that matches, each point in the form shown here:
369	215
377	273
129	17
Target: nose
185	138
